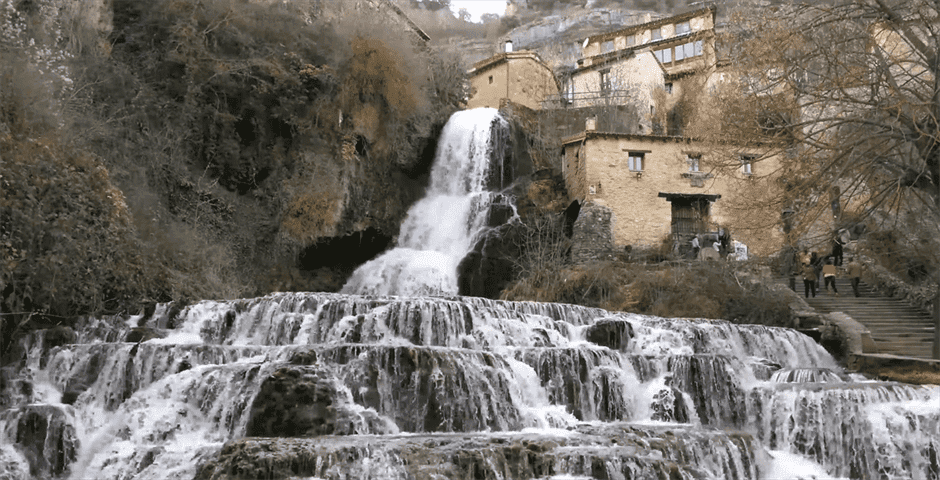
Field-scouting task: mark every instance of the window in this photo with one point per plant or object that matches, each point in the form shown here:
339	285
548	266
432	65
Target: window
491	79
635	161
668	87
569	91
688	50
605	80
664	56
695	161
683	28
656	34
747	164
607	46
631	40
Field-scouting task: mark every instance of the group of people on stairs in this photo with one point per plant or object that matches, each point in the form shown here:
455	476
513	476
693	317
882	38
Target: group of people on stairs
814	266
816	269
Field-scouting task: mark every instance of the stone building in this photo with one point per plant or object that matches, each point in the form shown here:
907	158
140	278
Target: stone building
661	187
521	77
628	66
682	43
665	189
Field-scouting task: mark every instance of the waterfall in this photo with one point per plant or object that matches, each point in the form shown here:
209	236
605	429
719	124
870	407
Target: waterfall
393	385
442	227
326	385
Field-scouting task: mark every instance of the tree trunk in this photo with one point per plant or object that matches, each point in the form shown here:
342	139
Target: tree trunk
936	300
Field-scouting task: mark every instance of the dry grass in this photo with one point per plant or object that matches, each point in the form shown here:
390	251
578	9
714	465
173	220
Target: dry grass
699	290
912	375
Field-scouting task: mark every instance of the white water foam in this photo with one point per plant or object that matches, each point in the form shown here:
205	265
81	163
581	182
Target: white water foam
443	226
788	466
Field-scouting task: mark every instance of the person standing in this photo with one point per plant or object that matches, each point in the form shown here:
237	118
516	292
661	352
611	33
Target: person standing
724	239
855	273
809	280
816	262
790	265
829	273
695	247
837	251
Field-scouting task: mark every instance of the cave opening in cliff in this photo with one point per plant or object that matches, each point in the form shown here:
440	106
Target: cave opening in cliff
345	252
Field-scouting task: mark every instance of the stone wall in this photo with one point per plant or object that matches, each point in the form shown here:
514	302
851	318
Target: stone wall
591	238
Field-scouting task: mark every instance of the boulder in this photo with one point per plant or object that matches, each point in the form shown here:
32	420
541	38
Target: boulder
46	439
613	334
295	401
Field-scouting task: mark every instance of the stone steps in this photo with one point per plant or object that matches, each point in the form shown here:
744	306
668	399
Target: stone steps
896	327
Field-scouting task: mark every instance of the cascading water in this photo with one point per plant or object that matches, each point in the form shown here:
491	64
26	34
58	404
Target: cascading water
441	228
339	386
343	386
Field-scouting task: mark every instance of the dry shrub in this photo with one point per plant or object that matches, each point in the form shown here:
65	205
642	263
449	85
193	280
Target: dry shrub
68	245
701	290
309	216
708	290
187	260
597	284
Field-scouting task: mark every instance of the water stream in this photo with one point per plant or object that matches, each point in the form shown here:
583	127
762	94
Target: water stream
349	386
442	227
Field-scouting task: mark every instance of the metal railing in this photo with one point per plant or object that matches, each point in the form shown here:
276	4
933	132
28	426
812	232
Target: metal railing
612	97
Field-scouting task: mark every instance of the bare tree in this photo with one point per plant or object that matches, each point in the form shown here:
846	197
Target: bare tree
849	95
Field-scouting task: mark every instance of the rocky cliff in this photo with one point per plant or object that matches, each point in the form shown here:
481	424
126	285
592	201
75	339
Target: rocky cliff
248	146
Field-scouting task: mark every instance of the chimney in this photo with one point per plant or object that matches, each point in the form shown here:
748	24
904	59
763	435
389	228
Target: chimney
508	46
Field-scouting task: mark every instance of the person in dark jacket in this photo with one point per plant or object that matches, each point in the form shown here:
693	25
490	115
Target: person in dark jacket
837	251
790	266
816	262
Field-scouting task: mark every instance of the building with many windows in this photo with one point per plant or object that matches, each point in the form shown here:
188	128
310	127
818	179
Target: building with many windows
640	68
682	43
659	185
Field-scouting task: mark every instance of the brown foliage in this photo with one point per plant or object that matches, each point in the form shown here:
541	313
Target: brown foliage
700	290
201	113
847	91
68	245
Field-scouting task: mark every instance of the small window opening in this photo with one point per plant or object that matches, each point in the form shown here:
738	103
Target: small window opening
635	161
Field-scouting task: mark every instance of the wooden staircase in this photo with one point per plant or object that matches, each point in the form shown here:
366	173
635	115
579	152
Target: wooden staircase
896	327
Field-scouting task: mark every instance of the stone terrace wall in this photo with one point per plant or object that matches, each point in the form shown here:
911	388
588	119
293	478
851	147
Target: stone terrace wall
592	238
